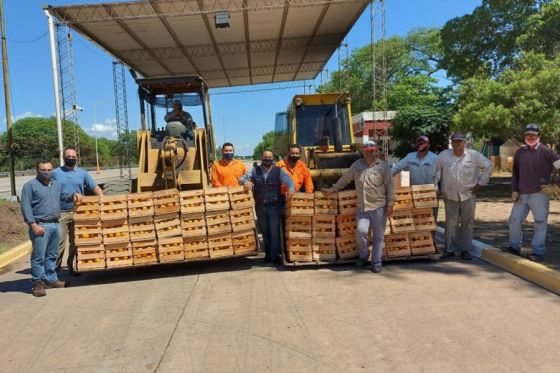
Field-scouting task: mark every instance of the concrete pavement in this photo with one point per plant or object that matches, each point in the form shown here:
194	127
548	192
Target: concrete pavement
237	316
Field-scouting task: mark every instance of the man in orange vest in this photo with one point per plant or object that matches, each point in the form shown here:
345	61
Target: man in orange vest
227	171
297	170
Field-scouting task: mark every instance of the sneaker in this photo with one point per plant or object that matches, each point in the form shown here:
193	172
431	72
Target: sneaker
511	250
57	284
537	258
376	269
447	255
38	289
465	255
360	263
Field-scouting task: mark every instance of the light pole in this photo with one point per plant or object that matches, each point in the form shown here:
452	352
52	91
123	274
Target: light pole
96	157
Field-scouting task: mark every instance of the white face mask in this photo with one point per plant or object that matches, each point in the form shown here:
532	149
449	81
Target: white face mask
532	142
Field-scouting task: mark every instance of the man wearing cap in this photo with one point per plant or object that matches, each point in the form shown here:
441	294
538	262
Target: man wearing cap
227	171
421	163
463	172
532	166
376	197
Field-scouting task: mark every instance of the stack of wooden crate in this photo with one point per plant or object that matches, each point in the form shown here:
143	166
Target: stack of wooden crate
142	229
116	236
324	237
298	227
218	223
193	224
88	235
346	245
168	225
242	220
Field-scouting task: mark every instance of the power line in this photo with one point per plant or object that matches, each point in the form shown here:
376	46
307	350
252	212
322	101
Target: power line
28	41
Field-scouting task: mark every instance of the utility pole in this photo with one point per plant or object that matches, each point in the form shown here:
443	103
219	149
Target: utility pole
7	100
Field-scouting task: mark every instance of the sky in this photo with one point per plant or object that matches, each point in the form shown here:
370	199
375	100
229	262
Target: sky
240	118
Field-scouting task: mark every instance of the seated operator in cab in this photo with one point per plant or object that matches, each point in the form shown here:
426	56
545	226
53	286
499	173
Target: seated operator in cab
178	115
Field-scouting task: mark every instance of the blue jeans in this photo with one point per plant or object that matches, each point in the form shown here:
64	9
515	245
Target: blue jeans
538	204
269	219
376	219
44	252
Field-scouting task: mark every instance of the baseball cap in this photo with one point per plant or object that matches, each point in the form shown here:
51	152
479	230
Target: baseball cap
423	138
532	128
458	136
370	145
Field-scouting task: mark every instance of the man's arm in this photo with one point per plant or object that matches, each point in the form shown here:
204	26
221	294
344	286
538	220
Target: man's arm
307	181
346	177
486	169
215	177
287	180
515	173
26	209
439	168
401	165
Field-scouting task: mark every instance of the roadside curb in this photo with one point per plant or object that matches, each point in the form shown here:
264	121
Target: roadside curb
15	253
521	267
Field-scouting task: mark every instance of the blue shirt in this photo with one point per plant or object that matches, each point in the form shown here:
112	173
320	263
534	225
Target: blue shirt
422	171
284	178
72	181
40	202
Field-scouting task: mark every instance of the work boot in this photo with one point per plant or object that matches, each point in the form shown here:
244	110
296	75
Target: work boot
266	259
376	269
465	255
73	272
447	255
57	284
537	258
38	289
277	262
511	250
361	263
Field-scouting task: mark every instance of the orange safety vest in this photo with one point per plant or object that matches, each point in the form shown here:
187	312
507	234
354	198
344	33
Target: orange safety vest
300	175
227	174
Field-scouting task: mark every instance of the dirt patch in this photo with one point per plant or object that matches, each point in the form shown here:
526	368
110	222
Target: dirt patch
13	230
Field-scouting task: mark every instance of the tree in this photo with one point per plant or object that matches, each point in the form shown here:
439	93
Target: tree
527	92
543	31
267	142
414	121
485	41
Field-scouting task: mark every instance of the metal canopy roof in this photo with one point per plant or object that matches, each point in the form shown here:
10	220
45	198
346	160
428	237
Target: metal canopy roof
268	40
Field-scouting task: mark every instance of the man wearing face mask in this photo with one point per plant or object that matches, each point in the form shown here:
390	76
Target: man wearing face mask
265	181
297	170
376	197
73	180
532	167
40	207
227	171
463	172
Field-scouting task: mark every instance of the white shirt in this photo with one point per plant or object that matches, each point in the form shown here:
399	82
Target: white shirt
460	174
422	170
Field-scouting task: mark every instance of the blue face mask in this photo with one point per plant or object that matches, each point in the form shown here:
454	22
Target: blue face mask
227	156
44	176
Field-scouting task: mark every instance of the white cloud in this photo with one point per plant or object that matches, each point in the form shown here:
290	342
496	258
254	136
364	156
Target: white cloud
27	114
107	129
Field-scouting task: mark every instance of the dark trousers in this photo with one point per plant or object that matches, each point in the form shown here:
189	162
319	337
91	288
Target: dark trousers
269	220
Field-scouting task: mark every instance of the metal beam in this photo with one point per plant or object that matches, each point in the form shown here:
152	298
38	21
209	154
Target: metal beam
247	43
280	36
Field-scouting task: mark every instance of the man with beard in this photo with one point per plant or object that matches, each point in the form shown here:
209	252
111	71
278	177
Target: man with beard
73	180
376	197
532	166
463	172
297	170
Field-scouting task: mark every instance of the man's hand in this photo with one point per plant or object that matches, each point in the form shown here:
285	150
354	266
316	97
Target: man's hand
248	186
290	194
37	229
77	197
327	191
550	189
514	196
389	211
475	189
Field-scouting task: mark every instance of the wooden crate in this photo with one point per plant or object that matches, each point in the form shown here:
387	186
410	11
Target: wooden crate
298	227
387	227
421	243
192	201
299	250
90	257
403	199
196	248
216	199
90	234
425	195
119	254
87	209
300	204
402	222
347	247
193	225
113	207
170	249
140	205
324	226
220	245
115	233
325	205
167	225
346	225
239	198
424	219
347	202
242	220
397	245
218	222
166	202
244	242
141	228
144	252
324	249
